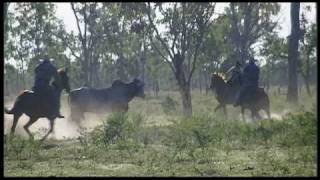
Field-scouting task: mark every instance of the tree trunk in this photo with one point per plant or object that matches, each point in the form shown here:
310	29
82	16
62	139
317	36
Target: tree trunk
186	100
6	6
206	82
37	33
292	94
200	85
157	87
142	65
306	81
184	86
268	76
307	76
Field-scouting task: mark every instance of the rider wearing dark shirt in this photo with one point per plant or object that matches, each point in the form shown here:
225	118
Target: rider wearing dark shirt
250	80
44	72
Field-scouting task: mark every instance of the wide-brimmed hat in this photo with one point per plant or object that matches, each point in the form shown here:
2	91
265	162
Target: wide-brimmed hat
46	58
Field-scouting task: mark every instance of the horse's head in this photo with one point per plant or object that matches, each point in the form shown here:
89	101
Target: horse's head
216	81
63	82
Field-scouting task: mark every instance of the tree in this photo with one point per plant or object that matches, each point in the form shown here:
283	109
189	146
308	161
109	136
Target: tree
187	26
5	12
292	94
308	49
249	22
274	50
31	35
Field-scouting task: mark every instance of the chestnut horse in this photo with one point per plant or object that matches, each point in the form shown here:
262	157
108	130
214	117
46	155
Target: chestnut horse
225	94
35	106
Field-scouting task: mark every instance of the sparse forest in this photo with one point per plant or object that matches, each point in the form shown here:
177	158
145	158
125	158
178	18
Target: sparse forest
174	48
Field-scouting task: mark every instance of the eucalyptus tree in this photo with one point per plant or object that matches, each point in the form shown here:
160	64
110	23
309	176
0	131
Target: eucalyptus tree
292	94
308	57
274	50
90	36
30	36
186	26
249	23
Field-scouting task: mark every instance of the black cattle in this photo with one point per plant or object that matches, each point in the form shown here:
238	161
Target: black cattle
113	99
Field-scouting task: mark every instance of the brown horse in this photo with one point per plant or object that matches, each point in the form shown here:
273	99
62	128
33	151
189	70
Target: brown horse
35	107
225	94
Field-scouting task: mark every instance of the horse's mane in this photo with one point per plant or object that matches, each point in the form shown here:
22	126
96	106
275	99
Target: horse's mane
221	75
61	70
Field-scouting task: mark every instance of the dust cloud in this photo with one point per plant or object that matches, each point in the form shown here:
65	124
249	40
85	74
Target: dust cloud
64	128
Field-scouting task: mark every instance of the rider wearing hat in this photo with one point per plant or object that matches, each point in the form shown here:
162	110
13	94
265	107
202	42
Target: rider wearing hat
250	80
44	72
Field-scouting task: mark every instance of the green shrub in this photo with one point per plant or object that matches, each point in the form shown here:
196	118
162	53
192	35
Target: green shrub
114	127
169	105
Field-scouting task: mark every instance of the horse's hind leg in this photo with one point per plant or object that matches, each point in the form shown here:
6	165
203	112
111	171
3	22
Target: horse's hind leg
252	115
15	122
242	113
225	111
218	107
257	115
50	131
30	122
267	110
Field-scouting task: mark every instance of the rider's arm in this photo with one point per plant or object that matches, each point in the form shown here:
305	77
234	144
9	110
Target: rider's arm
54	72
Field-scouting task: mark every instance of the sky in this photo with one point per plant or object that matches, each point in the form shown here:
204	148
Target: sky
64	12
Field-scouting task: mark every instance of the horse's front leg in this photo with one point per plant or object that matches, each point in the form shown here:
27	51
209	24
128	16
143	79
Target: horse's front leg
218	107
252	115
242	113
15	122
225	111
257	115
29	123
51	129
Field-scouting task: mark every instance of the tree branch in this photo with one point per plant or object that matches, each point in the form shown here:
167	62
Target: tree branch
75	14
157	32
195	56
159	52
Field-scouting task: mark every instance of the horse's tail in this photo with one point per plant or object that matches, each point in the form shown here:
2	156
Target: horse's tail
18	104
15	108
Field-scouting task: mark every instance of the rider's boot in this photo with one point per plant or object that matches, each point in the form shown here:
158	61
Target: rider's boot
59	115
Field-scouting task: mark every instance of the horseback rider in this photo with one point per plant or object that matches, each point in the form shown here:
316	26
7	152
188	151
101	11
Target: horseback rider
250	81
44	72
235	72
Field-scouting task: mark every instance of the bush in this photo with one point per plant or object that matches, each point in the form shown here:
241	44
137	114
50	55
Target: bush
169	105
120	130
114	127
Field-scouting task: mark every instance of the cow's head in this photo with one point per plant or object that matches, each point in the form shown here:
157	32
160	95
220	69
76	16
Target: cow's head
139	88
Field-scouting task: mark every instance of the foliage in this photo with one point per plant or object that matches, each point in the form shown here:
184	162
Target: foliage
169	105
